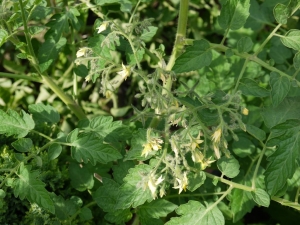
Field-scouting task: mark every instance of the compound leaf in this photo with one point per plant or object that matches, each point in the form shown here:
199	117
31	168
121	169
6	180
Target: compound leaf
194	212
282	163
194	58
234	14
27	185
14	124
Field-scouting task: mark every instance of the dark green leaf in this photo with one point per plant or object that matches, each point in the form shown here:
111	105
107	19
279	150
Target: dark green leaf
120	170
81	70
296	61
261	197
234	14
58	25
81	178
156	209
282	163
243	147
54	151
85	214
195	180
280	87
194	212
280	54
292	39
118	216
27	185
48	52
250	87
44	113
14	124
194	58
230	167
90	147
245	44
40	12
23	145
259	134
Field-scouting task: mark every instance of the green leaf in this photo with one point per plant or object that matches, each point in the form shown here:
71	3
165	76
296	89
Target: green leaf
282	163
245	44
256	132
195	180
280	53
296	61
131	58
280	87
250	87
106	196
148	34
194	212
194	58
292	39
118	216
58	25
39	13
85	214
3	36
23	144
139	138
126	5
133	191
243	147
261	197
156	209
64	209
81	178
90	147
281	13
54	151
14	124
234	14
288	109
120	170
102	125
49	51
27	185
44	113
230	167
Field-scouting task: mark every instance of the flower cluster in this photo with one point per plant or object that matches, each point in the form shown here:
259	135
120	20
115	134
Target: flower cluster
152	145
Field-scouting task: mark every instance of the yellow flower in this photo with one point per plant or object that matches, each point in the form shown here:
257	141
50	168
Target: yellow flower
245	111
125	72
217	135
102	27
182	183
153	183
153	145
82	52
217	150
147	149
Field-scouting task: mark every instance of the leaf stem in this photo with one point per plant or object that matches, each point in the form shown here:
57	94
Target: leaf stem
258	164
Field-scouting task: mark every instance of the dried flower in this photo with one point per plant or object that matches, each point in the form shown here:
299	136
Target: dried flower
102	27
217	135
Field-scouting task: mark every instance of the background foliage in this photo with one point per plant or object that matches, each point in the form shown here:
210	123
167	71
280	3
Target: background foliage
149	112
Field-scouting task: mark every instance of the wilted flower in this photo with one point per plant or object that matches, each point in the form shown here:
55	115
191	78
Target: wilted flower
182	183
217	135
102	27
217	150
125	72
153	183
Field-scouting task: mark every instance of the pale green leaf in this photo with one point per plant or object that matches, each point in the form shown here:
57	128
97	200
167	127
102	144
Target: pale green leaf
292	39
102	125
244	44
282	163
14	124
280	87
54	151
156	209
81	178
234	14
261	197
131	58
148	34
44	113
106	196
288	109
296	61
230	167
90	147
194	212
3	36
27	185
250	87
49	51
23	144
256	132
133	191
281	13
195	57
195	180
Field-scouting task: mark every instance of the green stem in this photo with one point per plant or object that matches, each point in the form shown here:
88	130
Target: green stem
297	194
193	195
220	199
133	13
20	76
258	164
43	135
233	184
93	8
240	76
